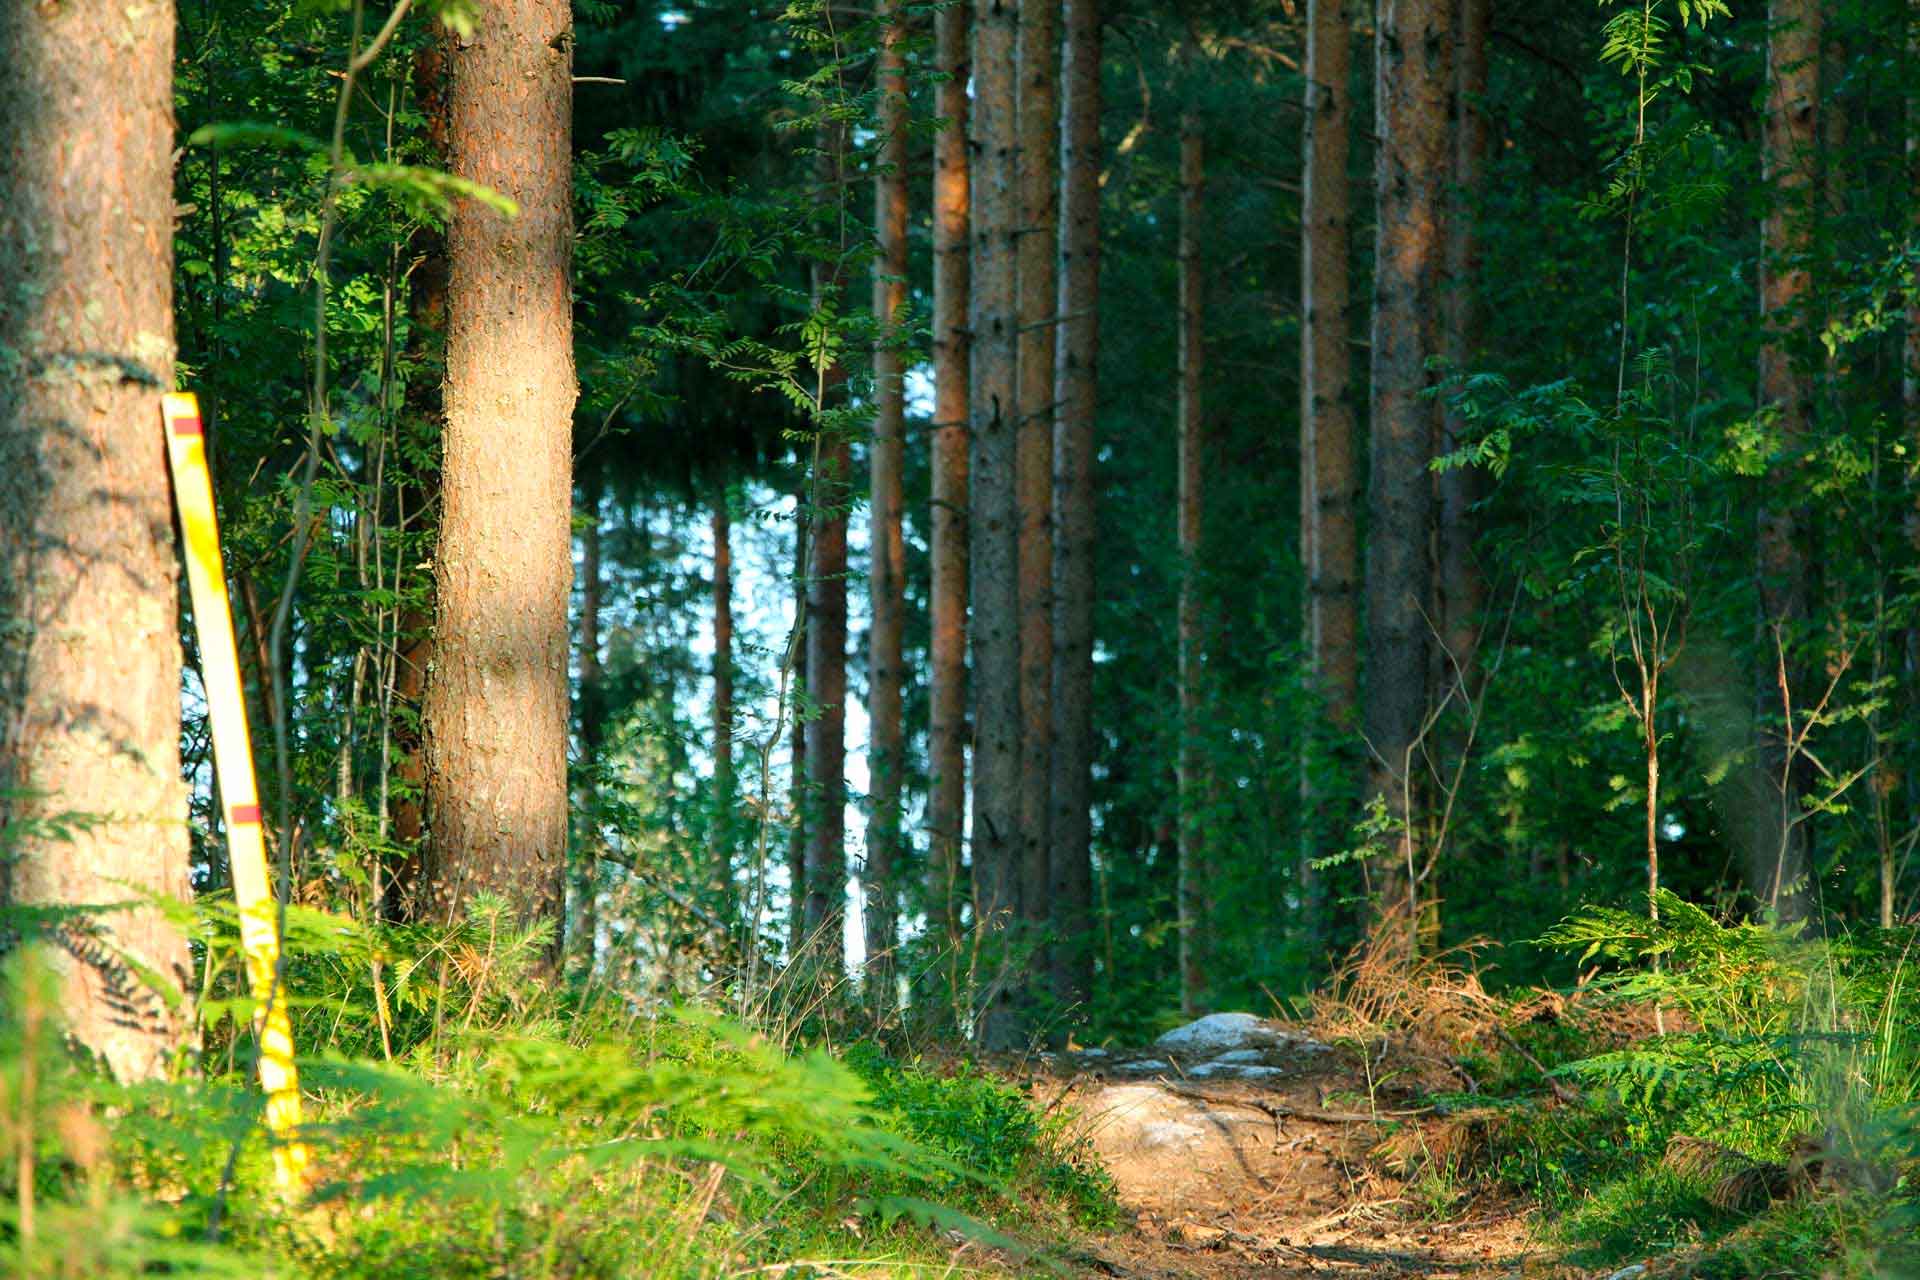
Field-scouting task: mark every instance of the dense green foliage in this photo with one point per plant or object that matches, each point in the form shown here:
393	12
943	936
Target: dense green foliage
671	1095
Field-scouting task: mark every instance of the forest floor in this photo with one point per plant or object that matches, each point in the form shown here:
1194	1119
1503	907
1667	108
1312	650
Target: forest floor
1242	1149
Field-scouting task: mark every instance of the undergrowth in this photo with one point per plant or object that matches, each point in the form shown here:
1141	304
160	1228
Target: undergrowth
1766	1126
469	1120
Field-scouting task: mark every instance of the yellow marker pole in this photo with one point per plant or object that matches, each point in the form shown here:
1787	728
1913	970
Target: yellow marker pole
233	766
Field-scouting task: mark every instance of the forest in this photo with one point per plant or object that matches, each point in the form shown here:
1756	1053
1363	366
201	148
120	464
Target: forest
1164	639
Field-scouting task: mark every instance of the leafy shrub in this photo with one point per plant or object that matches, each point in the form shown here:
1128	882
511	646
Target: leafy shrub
988	1128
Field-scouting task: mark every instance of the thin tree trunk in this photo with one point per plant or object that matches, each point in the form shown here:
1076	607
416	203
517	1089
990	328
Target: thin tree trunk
886	579
583	940
1910	407
826	861
1413	40
1462	592
993	528
723	719
1192	892
496	702
415	496
1076	395
90	672
1788	145
798	802
1329	481
947	731
1038	243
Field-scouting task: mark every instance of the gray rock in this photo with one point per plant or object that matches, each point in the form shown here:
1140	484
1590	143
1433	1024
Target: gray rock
1217	1070
1219	1033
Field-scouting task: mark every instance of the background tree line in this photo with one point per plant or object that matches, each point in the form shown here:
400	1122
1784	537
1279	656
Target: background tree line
1258	473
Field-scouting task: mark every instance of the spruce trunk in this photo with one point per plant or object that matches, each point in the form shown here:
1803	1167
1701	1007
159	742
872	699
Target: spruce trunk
1076	396
1192	891
993	529
1038	241
1329	482
1412	87
886	577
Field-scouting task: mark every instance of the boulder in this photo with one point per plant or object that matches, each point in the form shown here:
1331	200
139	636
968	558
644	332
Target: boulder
1163	1146
1249	1038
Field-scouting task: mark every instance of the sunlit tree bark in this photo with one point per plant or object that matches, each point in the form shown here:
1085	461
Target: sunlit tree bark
92	808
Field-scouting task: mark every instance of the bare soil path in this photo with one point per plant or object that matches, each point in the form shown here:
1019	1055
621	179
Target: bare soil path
1244	1149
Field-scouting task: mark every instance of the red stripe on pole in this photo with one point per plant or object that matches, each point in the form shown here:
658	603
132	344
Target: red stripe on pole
240	813
185	426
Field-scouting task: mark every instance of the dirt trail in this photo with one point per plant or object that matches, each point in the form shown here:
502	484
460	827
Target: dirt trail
1244	1149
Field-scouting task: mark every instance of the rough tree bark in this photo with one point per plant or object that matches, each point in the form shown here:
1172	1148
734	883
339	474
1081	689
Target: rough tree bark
1788	150
947	730
1192	877
91	799
1076	396
1412	43
1037	241
993	527
826	856
1329	482
886	578
496	702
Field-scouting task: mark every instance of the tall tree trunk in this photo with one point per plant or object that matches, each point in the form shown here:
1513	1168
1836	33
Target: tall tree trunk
1461	591
496	702
1910	406
1788	150
826	868
583	940
1412	86
886	579
947	729
1076	395
724	787
993	527
798	803
1038	241
1329	481
1192	891
91	800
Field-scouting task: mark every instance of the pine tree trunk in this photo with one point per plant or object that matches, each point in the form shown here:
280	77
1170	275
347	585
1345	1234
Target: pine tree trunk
886	579
1192	893
583	938
1413	39
1461	595
1038	112
724	786
826	858
800	807
1329	481
993	528
1788	149
90	671
496	702
947	731
1076	395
